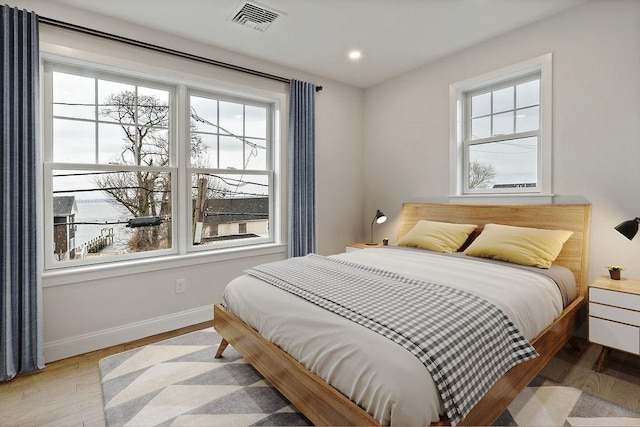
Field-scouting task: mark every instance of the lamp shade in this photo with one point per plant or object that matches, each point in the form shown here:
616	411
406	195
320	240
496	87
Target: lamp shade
628	228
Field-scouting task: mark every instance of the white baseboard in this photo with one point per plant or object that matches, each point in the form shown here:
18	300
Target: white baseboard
73	346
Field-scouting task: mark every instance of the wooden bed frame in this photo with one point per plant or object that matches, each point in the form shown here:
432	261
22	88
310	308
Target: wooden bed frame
324	405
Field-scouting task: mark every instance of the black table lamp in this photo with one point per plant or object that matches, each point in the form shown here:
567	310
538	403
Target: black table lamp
380	218
628	228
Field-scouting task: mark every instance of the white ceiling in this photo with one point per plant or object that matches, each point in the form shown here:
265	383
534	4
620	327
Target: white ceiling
394	36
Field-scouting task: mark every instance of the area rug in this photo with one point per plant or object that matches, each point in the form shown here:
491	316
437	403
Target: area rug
178	382
547	403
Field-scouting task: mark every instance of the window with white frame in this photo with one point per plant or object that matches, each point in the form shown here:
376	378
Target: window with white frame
501	142
229	170
113	169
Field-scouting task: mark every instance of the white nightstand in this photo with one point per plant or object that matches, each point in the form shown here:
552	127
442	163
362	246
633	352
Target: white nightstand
614	316
357	246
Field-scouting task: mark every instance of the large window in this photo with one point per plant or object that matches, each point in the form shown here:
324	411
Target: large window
113	168
501	141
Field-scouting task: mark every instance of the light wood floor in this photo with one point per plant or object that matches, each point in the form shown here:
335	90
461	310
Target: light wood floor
617	382
68	393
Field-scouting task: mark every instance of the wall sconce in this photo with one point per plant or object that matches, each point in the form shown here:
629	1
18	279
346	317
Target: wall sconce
379	218
628	228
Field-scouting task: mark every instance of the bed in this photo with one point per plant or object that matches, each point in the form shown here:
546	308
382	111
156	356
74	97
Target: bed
325	405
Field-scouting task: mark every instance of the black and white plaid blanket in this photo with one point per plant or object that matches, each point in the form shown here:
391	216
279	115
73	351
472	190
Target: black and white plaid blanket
465	342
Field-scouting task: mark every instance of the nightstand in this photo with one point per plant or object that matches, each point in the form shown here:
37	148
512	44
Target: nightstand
357	246
614	316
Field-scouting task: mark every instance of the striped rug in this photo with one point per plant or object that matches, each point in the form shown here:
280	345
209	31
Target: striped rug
178	382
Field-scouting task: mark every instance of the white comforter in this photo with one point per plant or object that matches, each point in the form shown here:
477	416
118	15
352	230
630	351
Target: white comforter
377	374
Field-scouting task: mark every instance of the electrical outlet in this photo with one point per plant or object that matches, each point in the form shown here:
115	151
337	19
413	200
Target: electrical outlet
181	286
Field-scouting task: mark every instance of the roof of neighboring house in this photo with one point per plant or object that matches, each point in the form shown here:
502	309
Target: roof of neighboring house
224	211
64	205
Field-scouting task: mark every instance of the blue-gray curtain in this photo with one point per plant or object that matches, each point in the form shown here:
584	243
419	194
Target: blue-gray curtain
21	335
302	169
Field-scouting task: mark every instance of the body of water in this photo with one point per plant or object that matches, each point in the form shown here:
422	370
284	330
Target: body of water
103	212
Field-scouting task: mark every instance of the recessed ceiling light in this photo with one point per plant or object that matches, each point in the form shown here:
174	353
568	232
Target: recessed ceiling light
355	54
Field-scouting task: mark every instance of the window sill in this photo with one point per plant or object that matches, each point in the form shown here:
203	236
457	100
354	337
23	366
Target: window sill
72	275
519	198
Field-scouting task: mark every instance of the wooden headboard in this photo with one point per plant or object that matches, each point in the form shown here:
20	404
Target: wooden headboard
573	217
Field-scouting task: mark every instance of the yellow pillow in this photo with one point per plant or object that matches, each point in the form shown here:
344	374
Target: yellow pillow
437	236
521	245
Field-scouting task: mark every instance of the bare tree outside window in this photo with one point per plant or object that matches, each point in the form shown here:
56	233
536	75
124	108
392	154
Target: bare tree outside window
481	175
144	120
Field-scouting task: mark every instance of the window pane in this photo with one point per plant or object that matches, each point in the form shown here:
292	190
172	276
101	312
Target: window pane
114	144
117	102
255	121
231	153
153	107
230	207
527	119
204	151
503	123
481	105
74	96
74	141
528	94
231	118
104	213
504	164
503	99
204	114
152	147
481	128
256	152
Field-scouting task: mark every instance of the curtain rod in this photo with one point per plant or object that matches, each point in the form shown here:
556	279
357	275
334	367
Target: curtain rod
137	43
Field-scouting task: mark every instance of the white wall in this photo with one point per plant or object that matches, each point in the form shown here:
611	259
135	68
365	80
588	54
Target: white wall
339	170
98	307
596	121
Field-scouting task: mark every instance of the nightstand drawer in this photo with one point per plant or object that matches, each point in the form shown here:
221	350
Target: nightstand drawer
618	299
614	313
615	335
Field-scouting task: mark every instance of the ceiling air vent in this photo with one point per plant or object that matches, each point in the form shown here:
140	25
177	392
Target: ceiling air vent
255	15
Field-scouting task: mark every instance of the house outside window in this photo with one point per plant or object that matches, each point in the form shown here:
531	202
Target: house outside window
501	132
114	144
64	212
